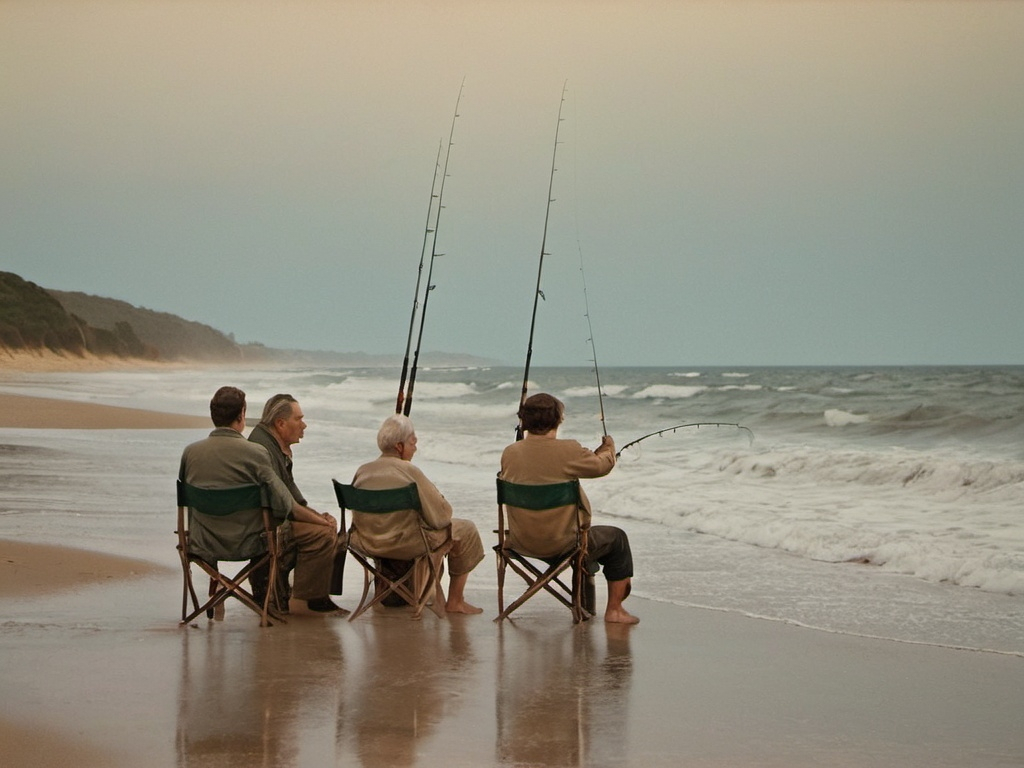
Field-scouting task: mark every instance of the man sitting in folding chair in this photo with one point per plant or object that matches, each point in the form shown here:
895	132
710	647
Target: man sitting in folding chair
374	534
540	458
226	459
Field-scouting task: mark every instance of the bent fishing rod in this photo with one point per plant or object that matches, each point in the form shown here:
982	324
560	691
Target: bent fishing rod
428	230
538	294
433	255
696	424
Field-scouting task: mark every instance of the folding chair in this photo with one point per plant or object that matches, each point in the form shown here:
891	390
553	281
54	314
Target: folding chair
255	540
423	580
532	501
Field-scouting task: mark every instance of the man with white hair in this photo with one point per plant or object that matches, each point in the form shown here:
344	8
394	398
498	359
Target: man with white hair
393	469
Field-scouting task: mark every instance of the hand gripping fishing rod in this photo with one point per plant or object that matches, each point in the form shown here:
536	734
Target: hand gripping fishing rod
538	294
427	232
430	269
697	424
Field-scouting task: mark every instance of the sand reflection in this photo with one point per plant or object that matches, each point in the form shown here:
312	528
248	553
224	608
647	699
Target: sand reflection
248	696
561	701
410	679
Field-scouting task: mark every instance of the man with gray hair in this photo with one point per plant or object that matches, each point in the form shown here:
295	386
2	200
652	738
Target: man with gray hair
316	551
393	469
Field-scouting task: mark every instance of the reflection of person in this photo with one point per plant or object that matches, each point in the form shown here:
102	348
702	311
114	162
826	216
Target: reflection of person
394	468
541	458
251	708
226	459
308	547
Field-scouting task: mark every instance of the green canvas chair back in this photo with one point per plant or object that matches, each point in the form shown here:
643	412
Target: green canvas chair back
538	497
220	501
377	502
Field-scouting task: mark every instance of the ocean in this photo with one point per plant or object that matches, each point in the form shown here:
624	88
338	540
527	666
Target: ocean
883	502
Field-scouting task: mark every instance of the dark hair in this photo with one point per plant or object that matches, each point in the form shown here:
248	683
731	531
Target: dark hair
541	413
226	406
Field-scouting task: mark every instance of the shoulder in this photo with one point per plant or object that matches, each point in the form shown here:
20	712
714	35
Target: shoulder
261	435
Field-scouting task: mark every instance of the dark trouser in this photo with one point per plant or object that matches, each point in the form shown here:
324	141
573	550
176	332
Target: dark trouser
608	547
394	569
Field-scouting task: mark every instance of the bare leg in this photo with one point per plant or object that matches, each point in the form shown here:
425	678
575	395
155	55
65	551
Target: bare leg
456	599
614	613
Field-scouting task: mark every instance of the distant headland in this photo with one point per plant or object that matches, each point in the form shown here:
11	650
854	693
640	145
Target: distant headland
37	322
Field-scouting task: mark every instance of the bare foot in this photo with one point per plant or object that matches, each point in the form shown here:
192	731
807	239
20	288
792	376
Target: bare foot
462	607
620	616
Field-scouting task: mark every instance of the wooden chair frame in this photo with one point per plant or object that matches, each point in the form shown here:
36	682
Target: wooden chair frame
219	502
539	498
418	585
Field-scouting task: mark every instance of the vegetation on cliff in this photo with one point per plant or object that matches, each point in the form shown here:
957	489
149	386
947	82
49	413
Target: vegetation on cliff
35	319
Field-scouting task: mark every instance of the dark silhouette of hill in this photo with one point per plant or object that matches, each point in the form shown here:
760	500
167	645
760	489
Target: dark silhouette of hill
74	323
33	319
173	337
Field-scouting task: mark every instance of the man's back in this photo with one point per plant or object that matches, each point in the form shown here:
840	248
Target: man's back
225	459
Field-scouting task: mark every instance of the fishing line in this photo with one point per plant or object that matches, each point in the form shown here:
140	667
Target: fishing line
583	276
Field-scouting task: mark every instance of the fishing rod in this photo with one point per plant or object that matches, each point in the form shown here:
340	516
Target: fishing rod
697	424
433	255
538	294
428	230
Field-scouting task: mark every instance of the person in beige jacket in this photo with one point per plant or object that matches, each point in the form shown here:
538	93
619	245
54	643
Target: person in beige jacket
402	539
541	458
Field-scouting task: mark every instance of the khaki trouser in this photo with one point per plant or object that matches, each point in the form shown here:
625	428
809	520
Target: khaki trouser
468	550
314	559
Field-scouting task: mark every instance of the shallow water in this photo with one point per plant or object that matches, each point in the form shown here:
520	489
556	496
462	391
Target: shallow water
882	502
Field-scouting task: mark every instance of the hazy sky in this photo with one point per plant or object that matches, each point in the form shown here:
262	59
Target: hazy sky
748	182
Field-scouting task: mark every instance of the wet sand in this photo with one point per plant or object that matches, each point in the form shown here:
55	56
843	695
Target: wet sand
101	674
28	570
27	412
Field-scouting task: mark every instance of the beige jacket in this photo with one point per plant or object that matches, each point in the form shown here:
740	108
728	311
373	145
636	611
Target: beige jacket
398	536
541	460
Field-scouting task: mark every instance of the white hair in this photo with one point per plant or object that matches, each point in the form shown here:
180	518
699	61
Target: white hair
395	429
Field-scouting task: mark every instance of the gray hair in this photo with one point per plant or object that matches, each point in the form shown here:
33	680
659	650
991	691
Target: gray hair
395	429
277	407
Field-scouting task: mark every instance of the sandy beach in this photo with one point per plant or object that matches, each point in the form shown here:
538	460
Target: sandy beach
95	671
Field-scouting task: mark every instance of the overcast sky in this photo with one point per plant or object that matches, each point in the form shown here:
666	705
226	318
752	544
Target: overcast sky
748	183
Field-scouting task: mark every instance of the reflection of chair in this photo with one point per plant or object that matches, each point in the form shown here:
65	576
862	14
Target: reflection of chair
420	583
529	503
231	524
